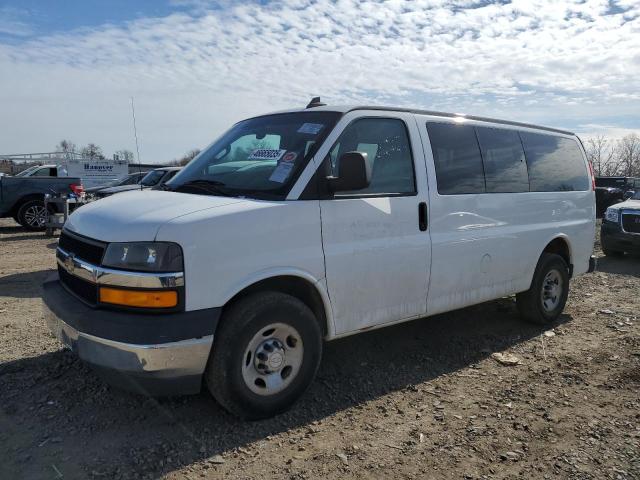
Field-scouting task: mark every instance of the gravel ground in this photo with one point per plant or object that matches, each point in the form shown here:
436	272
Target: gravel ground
427	399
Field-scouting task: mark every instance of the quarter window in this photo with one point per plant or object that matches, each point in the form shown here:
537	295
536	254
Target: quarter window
457	158
555	163
505	167
386	143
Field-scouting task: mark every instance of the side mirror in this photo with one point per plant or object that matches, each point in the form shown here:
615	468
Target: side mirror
354	172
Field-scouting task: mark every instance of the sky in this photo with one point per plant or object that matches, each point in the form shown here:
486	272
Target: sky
68	68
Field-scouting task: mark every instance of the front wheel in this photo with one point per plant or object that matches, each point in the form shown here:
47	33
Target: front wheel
32	215
266	353
544	301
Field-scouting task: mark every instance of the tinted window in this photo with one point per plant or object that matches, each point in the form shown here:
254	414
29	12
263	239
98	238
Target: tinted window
386	143
457	158
555	163
505	167
152	178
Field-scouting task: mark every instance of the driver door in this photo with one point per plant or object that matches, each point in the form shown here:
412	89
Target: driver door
377	253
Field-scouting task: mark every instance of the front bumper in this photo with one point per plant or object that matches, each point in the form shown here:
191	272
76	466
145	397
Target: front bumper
614	238
112	342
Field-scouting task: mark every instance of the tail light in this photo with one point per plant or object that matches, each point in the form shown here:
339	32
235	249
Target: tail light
593	177
77	188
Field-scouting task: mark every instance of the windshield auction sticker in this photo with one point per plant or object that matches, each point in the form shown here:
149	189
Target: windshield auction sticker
266	154
310	128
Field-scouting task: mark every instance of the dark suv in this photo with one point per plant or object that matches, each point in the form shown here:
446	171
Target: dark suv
620	231
611	190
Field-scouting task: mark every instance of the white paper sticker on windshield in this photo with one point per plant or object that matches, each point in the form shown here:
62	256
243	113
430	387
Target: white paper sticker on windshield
266	154
310	128
282	172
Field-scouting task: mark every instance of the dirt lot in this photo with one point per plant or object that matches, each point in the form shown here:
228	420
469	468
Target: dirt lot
419	400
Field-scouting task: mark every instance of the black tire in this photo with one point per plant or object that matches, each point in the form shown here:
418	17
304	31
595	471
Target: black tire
30	215
532	304
232	359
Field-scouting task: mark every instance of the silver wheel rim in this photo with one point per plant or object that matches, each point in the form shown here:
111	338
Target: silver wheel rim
551	290
272	359
35	216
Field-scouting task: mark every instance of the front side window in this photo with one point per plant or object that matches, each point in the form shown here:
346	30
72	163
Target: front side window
386	143
555	163
505	167
45	172
261	157
457	158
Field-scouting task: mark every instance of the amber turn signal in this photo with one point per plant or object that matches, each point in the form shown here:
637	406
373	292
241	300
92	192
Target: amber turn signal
139	298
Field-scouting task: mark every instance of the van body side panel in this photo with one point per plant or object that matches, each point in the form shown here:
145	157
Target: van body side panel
487	245
229	248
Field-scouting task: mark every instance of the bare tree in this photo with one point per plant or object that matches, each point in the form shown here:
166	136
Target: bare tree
66	146
628	155
187	157
600	152
92	152
124	155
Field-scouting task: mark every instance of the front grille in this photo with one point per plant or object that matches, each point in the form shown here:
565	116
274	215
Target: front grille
85	290
83	248
631	222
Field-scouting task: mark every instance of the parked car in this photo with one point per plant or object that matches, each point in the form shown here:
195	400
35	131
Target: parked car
22	198
620	230
611	190
317	224
129	179
152	179
605	197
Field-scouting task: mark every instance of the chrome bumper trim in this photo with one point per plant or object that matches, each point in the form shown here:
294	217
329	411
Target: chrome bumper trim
119	278
172	360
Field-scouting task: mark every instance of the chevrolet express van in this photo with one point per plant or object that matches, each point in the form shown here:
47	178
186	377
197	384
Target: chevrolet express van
310	225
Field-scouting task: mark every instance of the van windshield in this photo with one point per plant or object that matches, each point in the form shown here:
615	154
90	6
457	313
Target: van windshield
261	157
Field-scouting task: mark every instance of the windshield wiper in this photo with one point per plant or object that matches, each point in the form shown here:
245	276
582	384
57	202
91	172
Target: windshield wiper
212	187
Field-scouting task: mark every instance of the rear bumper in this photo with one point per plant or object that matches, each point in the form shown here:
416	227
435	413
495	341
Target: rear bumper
169	367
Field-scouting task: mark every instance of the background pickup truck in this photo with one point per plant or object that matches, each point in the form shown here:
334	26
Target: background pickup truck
23	197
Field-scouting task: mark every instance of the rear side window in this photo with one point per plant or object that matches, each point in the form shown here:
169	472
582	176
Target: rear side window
457	158
555	163
505	167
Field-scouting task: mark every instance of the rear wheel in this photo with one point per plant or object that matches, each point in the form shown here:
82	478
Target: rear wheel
32	215
266	353
544	301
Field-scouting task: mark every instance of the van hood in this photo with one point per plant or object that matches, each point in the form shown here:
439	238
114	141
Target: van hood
138	215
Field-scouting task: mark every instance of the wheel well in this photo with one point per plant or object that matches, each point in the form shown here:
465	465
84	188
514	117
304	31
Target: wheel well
297	287
22	200
559	246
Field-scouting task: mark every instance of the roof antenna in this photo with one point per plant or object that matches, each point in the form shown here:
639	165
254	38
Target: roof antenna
135	132
315	102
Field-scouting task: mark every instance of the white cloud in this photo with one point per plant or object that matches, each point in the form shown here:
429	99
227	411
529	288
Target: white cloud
11	22
556	63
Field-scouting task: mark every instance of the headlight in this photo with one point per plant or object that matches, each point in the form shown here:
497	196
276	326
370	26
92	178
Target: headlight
611	215
144	256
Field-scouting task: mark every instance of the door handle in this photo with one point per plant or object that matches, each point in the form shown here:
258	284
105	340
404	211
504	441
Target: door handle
423	221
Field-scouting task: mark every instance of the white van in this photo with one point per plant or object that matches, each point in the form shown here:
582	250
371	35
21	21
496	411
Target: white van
316	224
92	172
